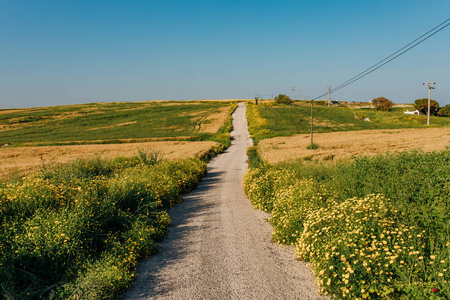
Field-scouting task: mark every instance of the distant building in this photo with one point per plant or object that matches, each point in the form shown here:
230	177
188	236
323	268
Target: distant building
416	112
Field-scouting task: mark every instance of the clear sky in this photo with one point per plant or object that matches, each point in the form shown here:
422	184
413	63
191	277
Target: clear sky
81	51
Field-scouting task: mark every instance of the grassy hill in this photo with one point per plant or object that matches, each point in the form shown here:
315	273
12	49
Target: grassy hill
271	120
110	122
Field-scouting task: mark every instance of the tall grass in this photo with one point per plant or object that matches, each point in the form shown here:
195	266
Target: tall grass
76	231
375	228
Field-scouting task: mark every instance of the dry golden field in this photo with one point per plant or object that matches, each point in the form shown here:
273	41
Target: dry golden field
343	145
24	159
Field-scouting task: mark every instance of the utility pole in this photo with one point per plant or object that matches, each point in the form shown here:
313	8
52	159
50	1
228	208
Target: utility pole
429	99
329	93
275	124
312	124
292	87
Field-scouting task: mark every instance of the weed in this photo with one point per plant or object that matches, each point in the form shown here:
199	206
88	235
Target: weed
314	146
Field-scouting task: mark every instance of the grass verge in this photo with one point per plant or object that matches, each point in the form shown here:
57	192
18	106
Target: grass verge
373	228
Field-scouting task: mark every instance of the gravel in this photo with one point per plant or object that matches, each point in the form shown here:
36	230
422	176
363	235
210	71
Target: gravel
218	246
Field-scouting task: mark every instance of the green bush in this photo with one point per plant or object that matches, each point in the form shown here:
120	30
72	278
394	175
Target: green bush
382	104
422	106
444	111
283	99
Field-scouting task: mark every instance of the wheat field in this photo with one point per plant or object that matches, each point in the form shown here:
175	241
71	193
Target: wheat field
339	146
23	159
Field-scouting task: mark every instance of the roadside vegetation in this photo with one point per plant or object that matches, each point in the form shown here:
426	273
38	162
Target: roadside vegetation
372	228
77	230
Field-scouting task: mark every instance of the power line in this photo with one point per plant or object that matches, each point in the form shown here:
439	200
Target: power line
389	58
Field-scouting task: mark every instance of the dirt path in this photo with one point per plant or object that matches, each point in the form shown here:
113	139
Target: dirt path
218	246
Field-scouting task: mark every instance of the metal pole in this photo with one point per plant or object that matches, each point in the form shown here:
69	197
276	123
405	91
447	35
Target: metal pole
429	99
275	125
429	102
292	87
312	124
329	92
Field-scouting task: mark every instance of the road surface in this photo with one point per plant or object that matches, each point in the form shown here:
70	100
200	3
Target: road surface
218	246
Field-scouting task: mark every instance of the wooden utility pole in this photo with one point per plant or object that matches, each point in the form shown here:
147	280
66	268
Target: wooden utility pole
429	99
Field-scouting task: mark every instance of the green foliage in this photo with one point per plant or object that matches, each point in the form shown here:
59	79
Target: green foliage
150	157
223	134
422	106
314	146
444	111
253	158
374	228
382	104
283	99
77	230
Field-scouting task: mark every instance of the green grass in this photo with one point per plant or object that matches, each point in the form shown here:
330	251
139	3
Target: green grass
77	230
372	228
98	122
270	120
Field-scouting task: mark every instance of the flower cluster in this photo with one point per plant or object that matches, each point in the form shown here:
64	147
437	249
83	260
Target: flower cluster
81	228
368	247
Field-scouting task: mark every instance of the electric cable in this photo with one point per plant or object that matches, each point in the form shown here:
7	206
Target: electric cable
387	60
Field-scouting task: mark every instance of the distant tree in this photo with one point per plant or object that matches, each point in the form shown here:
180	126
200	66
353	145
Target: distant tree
444	111
382	103
422	106
283	99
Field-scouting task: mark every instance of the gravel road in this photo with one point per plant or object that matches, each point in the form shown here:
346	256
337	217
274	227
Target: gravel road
218	246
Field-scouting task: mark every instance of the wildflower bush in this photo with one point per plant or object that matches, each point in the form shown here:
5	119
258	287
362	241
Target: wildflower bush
375	228
77	231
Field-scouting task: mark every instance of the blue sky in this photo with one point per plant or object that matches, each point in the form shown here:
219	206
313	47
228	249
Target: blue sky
68	52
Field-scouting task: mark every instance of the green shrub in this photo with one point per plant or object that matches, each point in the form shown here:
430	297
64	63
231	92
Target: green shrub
312	146
444	111
283	99
422	106
382	104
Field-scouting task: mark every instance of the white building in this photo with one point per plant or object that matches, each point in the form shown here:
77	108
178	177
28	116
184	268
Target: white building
416	112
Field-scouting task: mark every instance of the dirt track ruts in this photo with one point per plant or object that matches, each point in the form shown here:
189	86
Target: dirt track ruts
218	246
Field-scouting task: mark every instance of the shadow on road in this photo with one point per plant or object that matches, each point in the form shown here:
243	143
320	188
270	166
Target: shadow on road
174	244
